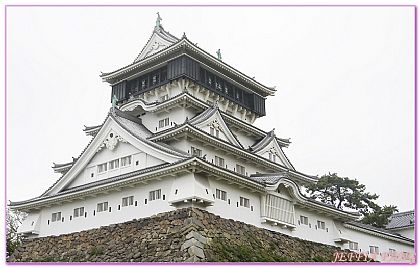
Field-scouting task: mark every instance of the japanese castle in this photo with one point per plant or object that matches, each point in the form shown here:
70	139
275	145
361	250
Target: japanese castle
180	133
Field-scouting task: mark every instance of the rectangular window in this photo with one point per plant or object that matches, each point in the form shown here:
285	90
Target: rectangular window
56	217
353	246
214	132
244	202
114	164
240	169
156	194
195	152
164	122
304	220
164	97
126	161
222	195
102	207
374	249
78	212
102	168
128	201
321	225
218	161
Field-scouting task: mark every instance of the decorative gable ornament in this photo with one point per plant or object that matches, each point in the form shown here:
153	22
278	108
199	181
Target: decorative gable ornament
216	125
155	48
111	142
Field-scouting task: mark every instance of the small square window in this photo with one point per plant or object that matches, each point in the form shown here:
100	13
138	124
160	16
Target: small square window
78	212
128	201
56	217
304	220
222	195
102	207
321	225
244	202
154	195
126	161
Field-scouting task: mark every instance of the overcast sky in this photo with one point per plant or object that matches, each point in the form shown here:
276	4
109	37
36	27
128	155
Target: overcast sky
344	79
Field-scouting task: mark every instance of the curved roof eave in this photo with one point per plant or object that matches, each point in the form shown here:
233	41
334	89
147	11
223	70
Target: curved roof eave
106	77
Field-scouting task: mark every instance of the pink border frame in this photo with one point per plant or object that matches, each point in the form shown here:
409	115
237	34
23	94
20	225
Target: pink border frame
214	263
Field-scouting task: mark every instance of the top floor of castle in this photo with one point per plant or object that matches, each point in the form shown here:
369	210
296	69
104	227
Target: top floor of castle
168	65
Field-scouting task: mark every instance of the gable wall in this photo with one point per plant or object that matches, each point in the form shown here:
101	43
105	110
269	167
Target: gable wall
176	115
106	155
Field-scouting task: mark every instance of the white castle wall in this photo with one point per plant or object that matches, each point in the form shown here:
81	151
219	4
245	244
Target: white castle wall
139	160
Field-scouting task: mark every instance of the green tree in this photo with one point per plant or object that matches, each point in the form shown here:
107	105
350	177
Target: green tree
342	192
13	239
379	217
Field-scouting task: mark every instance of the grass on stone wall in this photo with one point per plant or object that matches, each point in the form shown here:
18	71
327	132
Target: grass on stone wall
226	251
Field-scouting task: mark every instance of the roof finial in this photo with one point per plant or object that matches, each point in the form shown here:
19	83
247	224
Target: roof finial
219	54
184	35
158	19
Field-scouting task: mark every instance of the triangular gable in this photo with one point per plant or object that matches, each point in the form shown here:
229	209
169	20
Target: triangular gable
270	148
159	40
113	132
211	118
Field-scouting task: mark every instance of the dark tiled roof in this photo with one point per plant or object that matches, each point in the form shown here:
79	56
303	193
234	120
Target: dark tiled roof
268	178
375	229
401	220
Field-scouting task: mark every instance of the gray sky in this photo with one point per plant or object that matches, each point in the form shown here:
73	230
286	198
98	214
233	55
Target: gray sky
345	81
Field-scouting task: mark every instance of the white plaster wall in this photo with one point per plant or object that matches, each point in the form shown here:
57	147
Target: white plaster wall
114	199
106	155
231	208
366	240
189	185
210	152
176	115
409	232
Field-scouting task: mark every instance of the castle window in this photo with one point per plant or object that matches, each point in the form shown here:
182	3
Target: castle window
164	122
164	97
56	217
126	161
156	194
392	252
353	246
373	249
320	225
218	161
102	168
240	169
155	79
128	201
214	132
102	207
195	152
304	220
222	195
78	212
114	164
244	202
144	83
